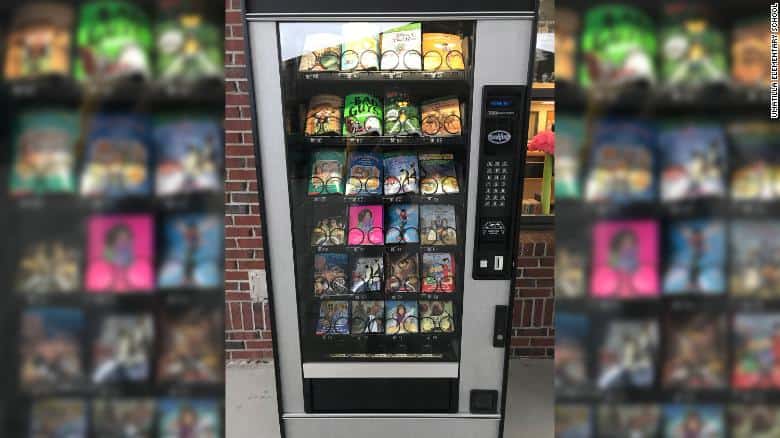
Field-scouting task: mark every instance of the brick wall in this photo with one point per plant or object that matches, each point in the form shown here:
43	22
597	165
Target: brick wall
247	328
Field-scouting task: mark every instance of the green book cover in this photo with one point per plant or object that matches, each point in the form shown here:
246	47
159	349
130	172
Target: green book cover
327	173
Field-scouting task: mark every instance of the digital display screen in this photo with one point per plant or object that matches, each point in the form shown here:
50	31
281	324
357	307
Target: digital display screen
501	103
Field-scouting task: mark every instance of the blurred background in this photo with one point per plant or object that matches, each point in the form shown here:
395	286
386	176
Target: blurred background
111	311
667	189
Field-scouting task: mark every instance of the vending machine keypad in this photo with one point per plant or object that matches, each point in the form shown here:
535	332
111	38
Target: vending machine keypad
502	146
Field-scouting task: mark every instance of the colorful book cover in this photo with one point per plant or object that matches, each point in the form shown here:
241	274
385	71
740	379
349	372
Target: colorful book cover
45	330
402	117
569	143
403	272
441	117
58	417
328	231
365	225
438	225
321	52
401	172
754	420
49	266
367	274
438	272
625	259
695	350
327	172
123	349
629	420
696	261
120	253
401	317
755	174
323	116
637	339
618	46
438	174
756	339
694	161
573	421
39	41
44	153
189	417
363	115
189	45
334	318
693	52
621	163
192	256
114	40
442	51
364	174
117	157
402	47
403	224
754	250
330	274
694	421
368	317
123	417
436	317
749	52
570	265
191	347
360	47
188	155
571	348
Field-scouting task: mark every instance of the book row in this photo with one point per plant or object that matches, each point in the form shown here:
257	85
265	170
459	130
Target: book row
119	256
375	173
360	114
116	154
635	161
700	256
391	317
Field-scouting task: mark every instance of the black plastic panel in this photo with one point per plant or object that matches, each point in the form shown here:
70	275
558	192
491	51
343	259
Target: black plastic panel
381	395
406	6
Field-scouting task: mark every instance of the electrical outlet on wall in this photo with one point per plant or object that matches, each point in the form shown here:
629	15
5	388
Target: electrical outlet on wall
258	289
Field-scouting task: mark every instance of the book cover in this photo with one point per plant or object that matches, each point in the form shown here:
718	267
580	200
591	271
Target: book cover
327	172
436	317
403	272
45	330
330	274
334	318
403	224
438	272
360	47
693	162
754	420
571	343
402	117
188	417
365	225
38	41
401	317
755	174
364	174
368	317
367	274
441	117
363	115
438	174
754	250
442	51
749	52
191	346
401	172
123	349
192	256
625	259
755	342
696	261
629	420
694	420
44	143
58	417
438	225
117	157
569	143
573	420
122	417
323	117
189	45
321	52
120	253
49	266
570	264
693	52
189	151
328	231
695	346
402	47
636	337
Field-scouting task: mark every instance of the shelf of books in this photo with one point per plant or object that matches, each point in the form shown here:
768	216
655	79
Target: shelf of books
377	155
667	242
112	249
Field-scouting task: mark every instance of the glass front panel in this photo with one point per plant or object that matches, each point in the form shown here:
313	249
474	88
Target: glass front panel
377	124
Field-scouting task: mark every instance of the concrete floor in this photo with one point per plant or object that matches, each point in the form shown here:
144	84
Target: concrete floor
251	400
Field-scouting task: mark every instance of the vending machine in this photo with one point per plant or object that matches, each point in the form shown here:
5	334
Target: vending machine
390	147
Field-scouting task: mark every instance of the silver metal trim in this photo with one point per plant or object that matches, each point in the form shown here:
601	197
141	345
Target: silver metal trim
388	16
380	370
381	416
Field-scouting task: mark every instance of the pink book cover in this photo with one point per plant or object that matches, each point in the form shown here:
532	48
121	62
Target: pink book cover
625	259
365	225
120	253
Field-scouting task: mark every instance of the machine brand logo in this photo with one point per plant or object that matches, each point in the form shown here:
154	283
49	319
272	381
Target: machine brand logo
499	136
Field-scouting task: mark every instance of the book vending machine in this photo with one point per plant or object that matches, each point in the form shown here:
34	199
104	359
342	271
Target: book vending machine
390	147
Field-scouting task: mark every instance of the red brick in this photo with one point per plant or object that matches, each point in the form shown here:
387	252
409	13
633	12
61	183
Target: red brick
248	317
250	243
251	264
542	342
238	231
259	345
238	99
235	316
232	17
538	272
244	197
236	275
244	335
248	354
241	174
531	262
549	305
239	151
237	296
247	220
234	45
